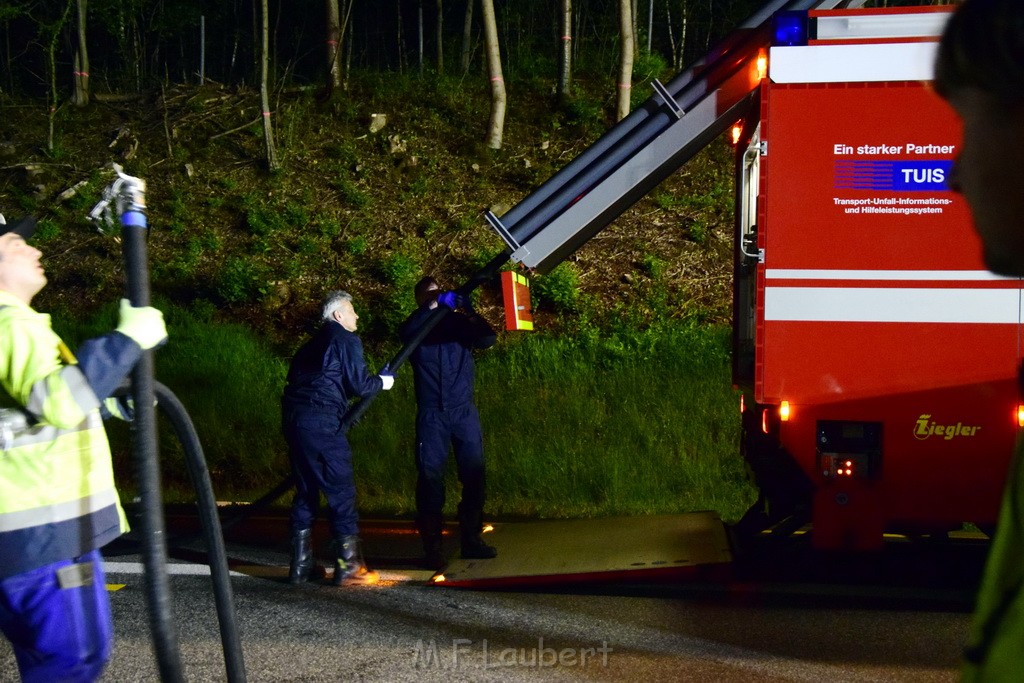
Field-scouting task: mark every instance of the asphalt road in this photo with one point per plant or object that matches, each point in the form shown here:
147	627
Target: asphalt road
405	630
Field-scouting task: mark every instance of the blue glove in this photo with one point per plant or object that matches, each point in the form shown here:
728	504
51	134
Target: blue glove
449	299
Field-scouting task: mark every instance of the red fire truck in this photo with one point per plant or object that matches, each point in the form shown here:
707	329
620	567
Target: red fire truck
875	354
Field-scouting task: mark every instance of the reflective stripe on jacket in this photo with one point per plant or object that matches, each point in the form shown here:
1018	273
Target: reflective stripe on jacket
57	495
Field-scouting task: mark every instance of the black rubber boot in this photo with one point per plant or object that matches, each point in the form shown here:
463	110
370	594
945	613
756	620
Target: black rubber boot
302	556
431	529
349	567
473	546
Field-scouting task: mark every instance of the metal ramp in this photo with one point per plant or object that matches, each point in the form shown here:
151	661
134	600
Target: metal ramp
647	146
662	547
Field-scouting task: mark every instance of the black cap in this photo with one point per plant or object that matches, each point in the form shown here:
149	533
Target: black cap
20	226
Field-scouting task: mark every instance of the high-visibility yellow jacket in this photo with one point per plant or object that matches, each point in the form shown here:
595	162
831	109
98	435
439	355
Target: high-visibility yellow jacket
57	495
997	632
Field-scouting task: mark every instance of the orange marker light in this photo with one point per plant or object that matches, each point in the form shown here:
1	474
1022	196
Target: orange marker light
762	65
1020	414
735	132
784	411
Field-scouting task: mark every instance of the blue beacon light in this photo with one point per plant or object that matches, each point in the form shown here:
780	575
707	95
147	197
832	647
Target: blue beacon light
791	28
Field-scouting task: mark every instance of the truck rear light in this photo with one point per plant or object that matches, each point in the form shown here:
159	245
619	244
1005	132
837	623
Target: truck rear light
1020	414
735	132
837	466
762	65
771	417
743	404
849	450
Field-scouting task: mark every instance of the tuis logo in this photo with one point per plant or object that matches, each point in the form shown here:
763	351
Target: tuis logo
926	428
899	176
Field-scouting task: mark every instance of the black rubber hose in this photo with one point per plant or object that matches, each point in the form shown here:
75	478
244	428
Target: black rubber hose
235	514
184	429
144	446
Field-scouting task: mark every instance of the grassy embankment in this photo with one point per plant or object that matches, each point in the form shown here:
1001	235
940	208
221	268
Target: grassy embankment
623	423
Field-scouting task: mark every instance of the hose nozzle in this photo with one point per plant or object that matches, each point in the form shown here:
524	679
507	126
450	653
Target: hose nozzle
127	194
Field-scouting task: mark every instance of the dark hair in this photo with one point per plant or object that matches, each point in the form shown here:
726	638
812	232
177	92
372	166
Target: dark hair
983	47
423	288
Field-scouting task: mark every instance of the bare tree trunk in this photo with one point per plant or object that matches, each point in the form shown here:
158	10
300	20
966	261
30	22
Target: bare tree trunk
650	23
467	36
671	36
625	84
496	127
633	13
401	38
348	31
711	22
678	51
268	131
419	31
565	54
81	97
440	36
51	110
53	37
333	47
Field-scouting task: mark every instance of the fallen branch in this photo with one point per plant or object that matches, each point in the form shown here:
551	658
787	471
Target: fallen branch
235	130
113	97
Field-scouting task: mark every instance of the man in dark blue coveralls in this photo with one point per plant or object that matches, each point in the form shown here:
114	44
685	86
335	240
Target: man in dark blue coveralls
325	374
446	417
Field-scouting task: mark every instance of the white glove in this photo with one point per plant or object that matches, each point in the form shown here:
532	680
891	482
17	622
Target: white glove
388	380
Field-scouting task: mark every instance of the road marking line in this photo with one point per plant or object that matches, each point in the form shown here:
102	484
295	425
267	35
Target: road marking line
176	568
256	571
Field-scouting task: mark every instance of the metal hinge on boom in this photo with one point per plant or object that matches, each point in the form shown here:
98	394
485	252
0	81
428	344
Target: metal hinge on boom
502	231
763	147
667	98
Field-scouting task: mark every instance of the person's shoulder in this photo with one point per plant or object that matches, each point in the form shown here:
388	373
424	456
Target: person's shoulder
413	322
12	312
343	336
11	305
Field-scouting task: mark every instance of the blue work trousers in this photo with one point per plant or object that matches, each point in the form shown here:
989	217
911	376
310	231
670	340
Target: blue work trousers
58	620
437	431
321	461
